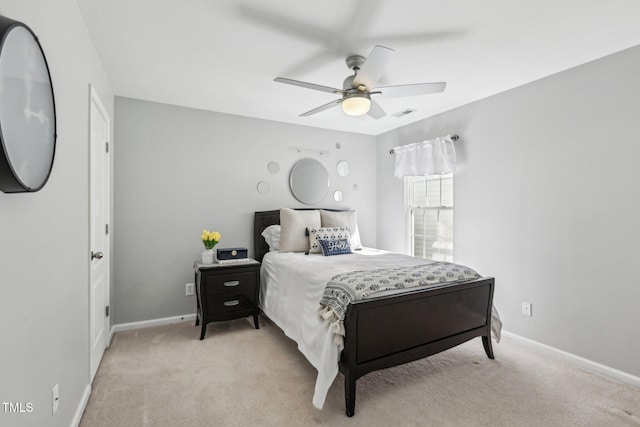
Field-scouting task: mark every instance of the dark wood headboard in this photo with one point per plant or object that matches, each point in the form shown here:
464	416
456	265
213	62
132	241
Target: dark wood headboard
262	220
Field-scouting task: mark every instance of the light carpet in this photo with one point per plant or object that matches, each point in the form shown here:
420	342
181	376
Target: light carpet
239	376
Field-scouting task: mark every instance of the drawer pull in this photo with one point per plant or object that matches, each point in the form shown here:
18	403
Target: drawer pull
231	303
232	283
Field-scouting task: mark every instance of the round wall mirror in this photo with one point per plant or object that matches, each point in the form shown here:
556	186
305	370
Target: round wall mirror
27	110
309	181
263	187
342	168
273	167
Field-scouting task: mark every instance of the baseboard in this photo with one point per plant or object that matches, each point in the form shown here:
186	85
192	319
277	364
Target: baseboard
578	361
150	323
81	406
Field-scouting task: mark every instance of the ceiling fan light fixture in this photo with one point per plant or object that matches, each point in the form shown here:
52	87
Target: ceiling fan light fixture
356	104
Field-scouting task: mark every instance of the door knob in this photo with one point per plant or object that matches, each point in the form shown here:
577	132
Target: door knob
96	255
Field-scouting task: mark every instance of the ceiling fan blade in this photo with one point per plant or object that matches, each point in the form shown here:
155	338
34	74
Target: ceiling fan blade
322	108
308	85
415	38
313	62
410	90
373	68
303	30
358	20
376	110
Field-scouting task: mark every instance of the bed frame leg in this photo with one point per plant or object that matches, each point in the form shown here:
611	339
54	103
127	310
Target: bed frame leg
486	342
350	393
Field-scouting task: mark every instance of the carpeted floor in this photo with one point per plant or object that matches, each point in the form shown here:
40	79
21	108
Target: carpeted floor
239	376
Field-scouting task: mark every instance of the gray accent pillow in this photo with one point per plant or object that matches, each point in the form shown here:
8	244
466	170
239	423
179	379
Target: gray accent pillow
343	219
293	226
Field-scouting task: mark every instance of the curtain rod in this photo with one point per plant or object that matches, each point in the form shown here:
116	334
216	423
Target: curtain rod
453	137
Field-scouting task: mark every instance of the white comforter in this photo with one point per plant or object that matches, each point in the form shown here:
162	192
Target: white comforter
290	293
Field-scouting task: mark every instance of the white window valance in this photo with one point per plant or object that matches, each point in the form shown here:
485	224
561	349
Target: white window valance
433	157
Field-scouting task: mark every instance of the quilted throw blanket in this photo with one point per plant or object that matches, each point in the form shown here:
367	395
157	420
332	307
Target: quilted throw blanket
345	288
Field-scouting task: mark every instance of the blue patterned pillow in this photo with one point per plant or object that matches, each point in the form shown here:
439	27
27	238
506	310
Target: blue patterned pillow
335	247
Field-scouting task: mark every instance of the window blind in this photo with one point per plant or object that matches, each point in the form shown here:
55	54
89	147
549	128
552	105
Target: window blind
430	210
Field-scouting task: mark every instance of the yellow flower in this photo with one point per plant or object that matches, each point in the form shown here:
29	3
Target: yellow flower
210	238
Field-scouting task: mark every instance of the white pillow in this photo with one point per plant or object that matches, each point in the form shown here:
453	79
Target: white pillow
271	235
293	228
343	219
326	233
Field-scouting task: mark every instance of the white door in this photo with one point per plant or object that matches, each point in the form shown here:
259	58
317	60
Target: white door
99	129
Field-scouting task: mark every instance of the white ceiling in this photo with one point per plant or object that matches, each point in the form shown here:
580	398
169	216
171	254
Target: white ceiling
222	55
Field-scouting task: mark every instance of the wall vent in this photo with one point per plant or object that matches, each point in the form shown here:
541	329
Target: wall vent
404	112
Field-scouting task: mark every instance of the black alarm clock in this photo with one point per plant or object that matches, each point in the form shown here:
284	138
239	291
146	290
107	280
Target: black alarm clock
231	253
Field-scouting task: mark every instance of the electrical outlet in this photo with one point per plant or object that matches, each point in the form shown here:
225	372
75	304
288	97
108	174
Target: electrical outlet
189	287
526	309
55	399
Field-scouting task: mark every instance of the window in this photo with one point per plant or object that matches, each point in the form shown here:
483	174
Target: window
430	216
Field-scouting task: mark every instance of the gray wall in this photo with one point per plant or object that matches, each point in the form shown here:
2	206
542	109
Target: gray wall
44	326
546	200
179	170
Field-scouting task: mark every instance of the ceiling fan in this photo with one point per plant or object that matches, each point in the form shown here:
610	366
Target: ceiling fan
358	88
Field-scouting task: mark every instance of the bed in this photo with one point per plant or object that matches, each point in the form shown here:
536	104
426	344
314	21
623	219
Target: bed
384	330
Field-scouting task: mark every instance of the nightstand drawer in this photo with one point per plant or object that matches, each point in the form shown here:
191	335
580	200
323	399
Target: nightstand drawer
233	282
227	292
229	303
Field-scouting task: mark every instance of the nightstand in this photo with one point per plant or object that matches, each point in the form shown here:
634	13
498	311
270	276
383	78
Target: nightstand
226	292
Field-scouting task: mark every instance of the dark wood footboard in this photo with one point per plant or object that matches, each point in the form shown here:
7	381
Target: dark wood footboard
392	330
389	331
